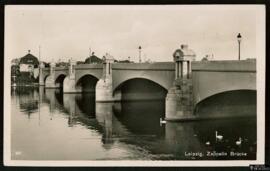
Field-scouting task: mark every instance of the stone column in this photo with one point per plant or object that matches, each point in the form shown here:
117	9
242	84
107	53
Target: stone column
104	90
41	76
179	100
69	85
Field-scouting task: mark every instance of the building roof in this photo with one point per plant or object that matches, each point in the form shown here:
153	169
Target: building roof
93	59
29	59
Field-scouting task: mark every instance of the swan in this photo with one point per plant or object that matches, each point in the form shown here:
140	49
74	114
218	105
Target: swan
218	137
239	141
207	143
162	121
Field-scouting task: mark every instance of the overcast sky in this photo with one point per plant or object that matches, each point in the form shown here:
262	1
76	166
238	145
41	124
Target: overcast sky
69	31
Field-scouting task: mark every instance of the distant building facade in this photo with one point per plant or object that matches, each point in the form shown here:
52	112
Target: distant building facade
25	70
28	63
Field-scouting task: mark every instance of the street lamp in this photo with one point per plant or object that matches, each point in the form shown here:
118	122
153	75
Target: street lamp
239	38
140	54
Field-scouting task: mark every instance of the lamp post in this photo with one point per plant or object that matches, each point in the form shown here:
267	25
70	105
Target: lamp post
239	38
140	48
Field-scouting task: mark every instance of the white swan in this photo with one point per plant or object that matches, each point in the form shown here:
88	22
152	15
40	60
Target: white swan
162	121
239	142
218	137
207	143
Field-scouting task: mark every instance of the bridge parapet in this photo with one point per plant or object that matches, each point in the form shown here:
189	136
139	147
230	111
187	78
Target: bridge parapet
61	68
226	66
88	66
166	66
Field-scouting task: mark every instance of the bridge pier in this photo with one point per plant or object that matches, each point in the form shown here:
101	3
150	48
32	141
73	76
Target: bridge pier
179	100
50	81
104	89
69	85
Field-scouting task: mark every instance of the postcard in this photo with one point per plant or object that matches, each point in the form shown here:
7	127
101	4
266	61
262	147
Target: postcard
134	85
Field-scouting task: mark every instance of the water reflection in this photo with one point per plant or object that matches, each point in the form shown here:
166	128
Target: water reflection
104	115
28	99
128	130
141	117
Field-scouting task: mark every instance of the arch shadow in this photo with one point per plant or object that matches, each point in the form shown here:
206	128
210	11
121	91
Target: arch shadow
232	103
59	81
45	77
139	89
87	83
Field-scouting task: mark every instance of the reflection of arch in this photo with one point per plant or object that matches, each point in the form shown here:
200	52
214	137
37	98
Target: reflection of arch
87	83
59	80
139	88
59	98
237	102
85	104
141	117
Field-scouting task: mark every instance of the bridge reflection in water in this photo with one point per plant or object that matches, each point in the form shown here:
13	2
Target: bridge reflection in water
74	127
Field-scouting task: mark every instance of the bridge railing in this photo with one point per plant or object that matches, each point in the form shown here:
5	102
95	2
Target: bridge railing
229	66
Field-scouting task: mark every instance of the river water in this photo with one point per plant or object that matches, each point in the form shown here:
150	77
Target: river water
50	125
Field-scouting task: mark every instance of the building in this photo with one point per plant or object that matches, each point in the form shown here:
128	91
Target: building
28	63
93	59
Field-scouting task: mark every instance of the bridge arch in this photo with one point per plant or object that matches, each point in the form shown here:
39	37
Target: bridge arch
139	88
230	102
95	72
200	96
59	80
86	83
45	77
119	80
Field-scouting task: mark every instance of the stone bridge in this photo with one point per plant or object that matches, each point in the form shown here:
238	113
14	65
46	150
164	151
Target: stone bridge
182	86
161	74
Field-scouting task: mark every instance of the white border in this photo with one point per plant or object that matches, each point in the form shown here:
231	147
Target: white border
260	45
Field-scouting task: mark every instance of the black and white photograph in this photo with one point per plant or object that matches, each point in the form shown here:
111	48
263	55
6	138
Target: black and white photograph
134	85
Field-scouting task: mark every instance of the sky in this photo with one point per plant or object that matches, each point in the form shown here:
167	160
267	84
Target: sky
65	32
